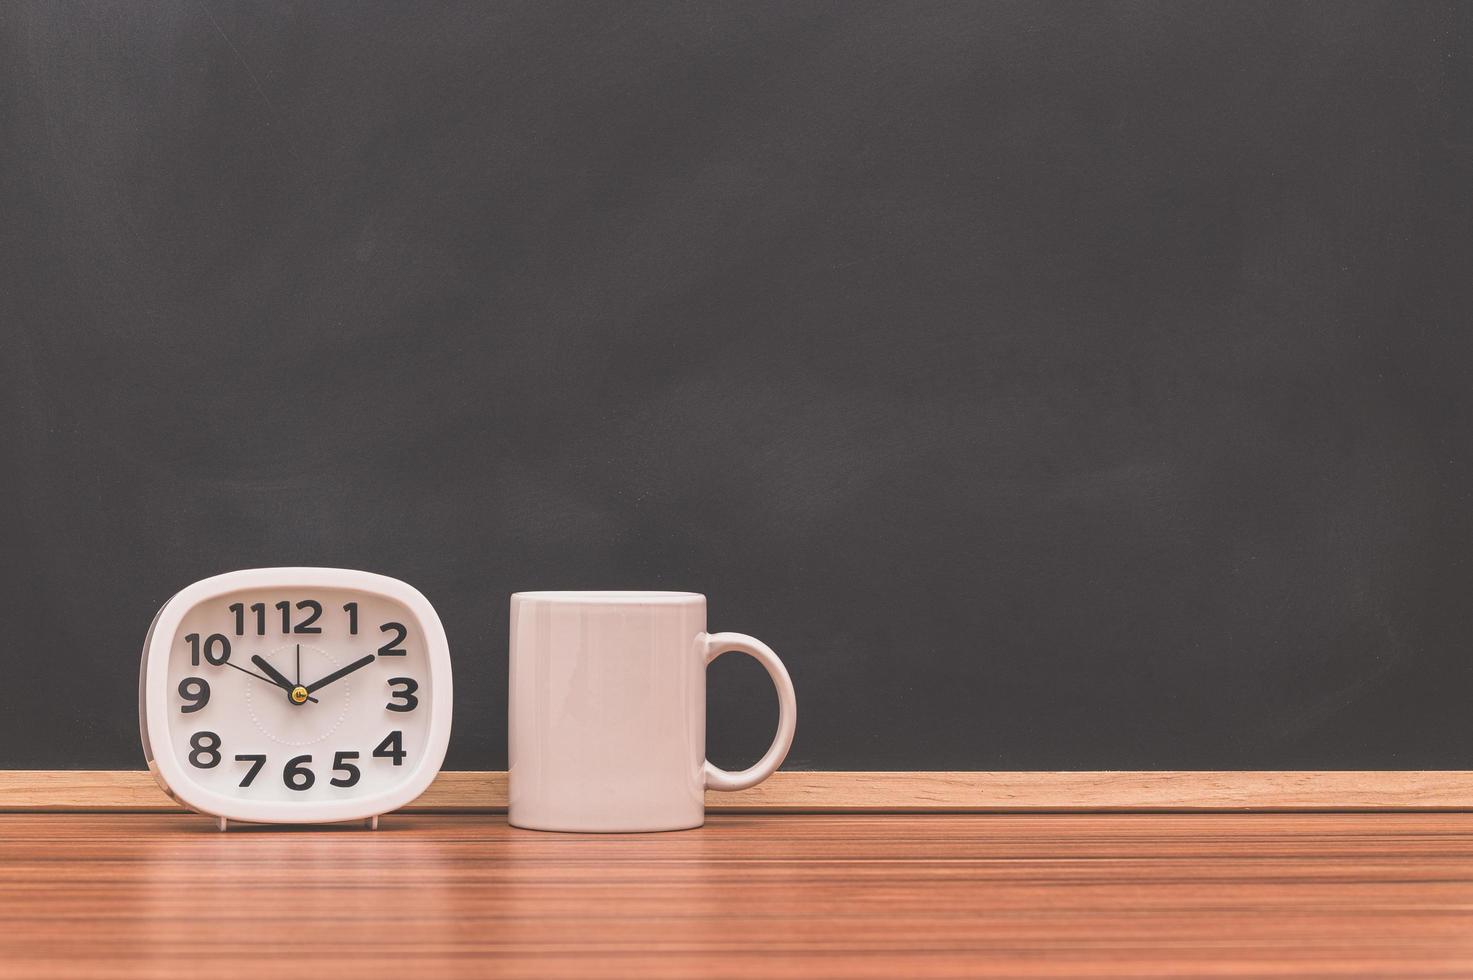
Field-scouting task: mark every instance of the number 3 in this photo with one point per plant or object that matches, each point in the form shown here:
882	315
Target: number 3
410	702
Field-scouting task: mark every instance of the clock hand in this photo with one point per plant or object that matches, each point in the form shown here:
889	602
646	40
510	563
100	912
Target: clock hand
341	672
299	664
277	677
296	692
252	673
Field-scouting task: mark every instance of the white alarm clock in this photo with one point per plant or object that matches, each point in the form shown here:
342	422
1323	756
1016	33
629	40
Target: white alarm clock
295	695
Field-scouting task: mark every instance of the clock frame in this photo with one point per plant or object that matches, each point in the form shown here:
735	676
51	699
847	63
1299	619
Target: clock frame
157	694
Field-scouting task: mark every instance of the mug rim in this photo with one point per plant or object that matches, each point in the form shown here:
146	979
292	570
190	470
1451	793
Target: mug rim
611	597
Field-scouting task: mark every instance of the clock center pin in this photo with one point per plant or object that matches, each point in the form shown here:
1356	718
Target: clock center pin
299	695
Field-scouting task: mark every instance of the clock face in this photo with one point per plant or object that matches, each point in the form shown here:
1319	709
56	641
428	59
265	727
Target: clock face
296	697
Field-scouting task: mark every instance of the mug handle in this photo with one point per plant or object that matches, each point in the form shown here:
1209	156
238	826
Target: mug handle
787	711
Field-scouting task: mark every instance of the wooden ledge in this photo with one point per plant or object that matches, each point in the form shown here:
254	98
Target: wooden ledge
880	792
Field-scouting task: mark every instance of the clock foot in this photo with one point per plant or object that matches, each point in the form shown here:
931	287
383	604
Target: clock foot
222	823
371	823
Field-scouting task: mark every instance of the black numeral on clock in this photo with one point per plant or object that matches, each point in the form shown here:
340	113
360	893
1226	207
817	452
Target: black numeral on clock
259	608
196	690
296	775
204	750
405	698
351	608
305	626
340	763
256	761
392	648
392	747
216	649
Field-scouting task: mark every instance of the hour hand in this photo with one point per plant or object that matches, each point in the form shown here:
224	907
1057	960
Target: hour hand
259	677
277	677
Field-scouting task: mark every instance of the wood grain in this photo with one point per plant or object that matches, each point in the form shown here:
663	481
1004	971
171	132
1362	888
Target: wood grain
1102	895
858	792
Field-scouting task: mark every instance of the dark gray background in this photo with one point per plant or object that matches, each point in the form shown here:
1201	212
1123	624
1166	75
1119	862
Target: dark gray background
1052	385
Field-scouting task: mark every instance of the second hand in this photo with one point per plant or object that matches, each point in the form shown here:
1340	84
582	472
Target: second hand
263	677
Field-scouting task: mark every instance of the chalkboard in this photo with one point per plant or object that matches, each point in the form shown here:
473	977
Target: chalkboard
1053	385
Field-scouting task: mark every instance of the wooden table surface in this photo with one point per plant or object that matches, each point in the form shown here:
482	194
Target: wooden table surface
133	895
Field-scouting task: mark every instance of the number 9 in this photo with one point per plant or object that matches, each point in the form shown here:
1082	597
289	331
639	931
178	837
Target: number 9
195	690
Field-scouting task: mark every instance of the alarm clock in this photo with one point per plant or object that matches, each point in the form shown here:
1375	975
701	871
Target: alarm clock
295	695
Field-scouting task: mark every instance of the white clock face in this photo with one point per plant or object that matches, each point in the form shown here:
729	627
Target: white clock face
298	694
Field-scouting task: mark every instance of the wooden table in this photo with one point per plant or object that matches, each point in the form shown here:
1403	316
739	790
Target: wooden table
133	895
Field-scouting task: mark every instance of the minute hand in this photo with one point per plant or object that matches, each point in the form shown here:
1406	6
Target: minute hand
340	673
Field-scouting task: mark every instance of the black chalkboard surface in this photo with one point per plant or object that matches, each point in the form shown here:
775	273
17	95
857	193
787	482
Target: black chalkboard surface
1053	385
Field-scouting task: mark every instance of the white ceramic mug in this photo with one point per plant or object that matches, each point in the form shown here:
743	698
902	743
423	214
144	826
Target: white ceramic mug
608	711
